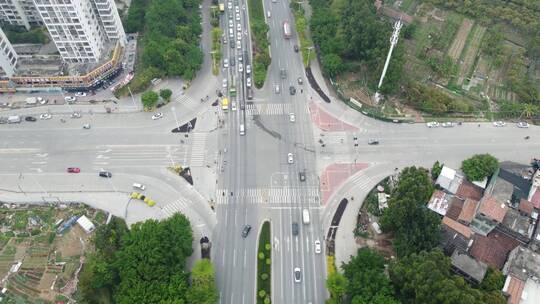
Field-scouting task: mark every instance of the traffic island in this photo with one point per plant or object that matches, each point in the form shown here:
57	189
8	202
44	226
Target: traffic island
264	265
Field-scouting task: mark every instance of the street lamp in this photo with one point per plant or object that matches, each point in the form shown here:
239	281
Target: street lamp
173	110
132	99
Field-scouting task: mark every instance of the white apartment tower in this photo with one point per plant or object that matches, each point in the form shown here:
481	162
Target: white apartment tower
110	20
19	12
8	57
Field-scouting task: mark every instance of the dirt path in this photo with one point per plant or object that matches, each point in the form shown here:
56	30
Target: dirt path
459	41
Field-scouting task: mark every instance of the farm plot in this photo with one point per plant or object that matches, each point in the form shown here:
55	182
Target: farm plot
459	41
470	53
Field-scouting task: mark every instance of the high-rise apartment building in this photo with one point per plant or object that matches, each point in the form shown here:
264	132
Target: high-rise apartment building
8	57
80	29
19	12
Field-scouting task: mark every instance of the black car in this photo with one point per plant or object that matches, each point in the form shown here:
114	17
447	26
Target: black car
30	118
292	90
249	94
302	176
106	174
373	141
232	62
295	228
246	230
296	48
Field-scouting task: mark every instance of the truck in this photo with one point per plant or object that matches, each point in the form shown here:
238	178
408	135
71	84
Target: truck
225	104
14	119
222	7
305	216
286	29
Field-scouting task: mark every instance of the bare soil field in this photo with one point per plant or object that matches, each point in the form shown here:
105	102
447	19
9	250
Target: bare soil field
459	41
471	52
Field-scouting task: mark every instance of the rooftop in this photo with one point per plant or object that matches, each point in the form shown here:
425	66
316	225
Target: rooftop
493	249
531	293
523	264
468	211
502	190
458	227
452	240
493	208
514	288
525	207
454	208
449	179
439	202
469	190
516	222
467	265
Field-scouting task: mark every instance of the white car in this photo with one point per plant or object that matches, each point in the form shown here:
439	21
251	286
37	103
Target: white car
45	116
276	89
86	126
233	106
157	116
229	5
237	9
432	124
237	17
139	186
499	123
230	23
81	94
238	45
76	115
240	67
248	82
292	117
70	98
224	82
317	246
290	159
522	124
240	58
297	275
238	27
447	124
239	36
225	63
248	69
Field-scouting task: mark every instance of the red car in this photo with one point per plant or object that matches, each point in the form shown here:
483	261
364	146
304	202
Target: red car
73	170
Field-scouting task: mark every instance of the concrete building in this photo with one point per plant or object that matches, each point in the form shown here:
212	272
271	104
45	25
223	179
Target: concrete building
110	20
19	12
8	57
523	276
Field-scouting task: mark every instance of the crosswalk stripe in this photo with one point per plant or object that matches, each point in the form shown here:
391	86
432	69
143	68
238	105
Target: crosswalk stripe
268	195
198	149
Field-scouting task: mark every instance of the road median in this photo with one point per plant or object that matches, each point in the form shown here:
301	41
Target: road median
260	45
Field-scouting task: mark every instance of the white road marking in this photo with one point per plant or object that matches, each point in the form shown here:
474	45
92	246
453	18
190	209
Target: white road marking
234	258
245	257
39	163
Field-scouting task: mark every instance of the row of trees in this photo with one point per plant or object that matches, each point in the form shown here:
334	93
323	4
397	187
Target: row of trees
170	38
150	99
433	101
145	265
352	31
259	30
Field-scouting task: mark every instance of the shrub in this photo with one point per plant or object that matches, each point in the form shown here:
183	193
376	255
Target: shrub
264	276
268	246
261	255
268	262
262	293
267	300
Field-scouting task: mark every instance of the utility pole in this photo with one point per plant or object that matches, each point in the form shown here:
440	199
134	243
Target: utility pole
393	41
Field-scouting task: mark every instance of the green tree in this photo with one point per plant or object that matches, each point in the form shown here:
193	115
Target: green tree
165	94
479	166
332	64
436	170
415	227
149	99
427	278
203	288
337	286
365	274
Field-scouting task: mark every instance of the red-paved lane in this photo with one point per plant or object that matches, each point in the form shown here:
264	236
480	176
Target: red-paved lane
327	122
334	175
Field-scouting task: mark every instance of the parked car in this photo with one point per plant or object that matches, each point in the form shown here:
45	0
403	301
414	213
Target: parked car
30	118
157	116
246	230
139	186
447	124
86	126
499	123
522	124
276	89
302	176
105	174
432	124
45	116
70	99
290	158
73	170
80	94
373	141
76	115
300	81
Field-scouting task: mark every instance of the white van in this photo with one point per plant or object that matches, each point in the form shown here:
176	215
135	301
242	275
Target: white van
139	186
242	129
305	216
268	14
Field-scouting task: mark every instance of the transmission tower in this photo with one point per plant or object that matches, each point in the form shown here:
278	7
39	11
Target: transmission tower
393	41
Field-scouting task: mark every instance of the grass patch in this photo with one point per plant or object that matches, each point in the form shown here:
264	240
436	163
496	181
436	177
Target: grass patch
216	50
259	30
264	265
